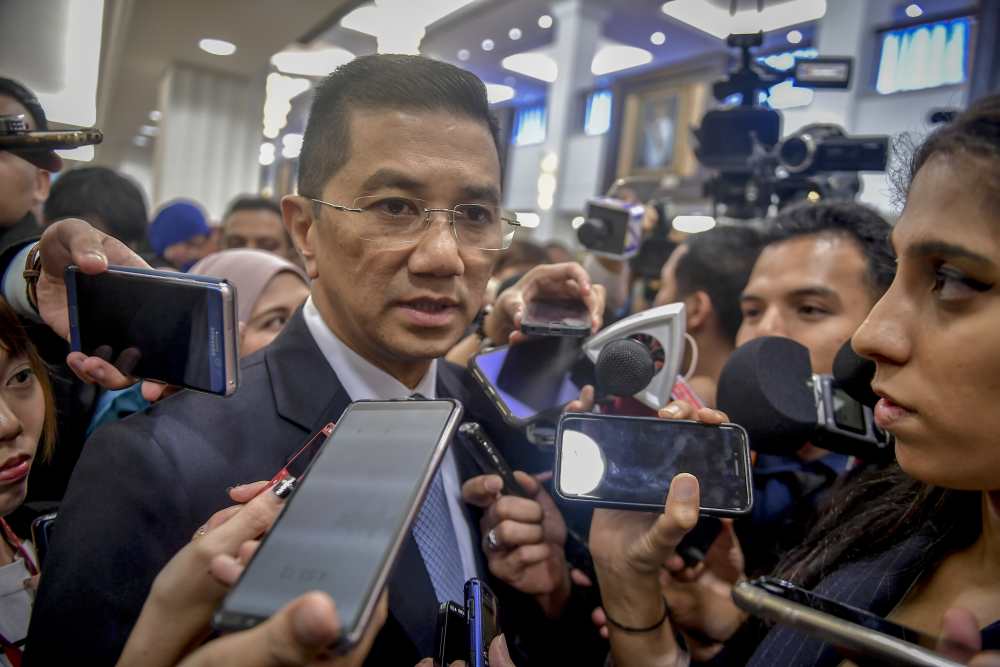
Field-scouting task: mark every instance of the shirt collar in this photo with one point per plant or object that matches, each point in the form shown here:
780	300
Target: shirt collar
360	378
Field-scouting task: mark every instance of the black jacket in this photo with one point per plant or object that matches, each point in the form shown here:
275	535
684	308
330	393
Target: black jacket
145	484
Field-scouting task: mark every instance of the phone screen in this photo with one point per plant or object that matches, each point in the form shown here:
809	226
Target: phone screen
168	329
630	461
338	530
482	618
537	375
555	316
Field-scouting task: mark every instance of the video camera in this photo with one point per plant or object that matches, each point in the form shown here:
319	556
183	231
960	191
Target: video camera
755	167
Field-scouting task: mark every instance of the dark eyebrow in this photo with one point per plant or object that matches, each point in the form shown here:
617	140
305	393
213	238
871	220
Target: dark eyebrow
816	290
948	250
486	194
390	178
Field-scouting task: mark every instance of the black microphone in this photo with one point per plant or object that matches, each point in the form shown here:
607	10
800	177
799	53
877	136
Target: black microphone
854	375
768	388
624	367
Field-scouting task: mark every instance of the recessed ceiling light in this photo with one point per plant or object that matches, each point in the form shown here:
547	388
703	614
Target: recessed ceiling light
155	115
693	224
140	140
463	54
217	47
616	57
794	36
514	34
149	130
544	21
718	22
487	45
913	10
311	62
537	65
497	93
658	38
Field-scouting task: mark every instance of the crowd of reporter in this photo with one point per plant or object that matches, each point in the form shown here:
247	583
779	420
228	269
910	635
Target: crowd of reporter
158	513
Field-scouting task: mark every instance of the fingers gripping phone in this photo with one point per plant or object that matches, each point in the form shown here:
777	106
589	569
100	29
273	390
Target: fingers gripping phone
628	462
343	526
158	325
551	317
484	626
856	633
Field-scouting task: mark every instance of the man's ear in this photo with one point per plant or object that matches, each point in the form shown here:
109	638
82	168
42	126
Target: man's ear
297	214
43	183
698	309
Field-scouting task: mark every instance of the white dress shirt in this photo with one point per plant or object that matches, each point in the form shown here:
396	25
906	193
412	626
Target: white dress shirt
364	381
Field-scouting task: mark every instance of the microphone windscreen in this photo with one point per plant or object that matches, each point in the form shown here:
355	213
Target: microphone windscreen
853	373
765	387
624	367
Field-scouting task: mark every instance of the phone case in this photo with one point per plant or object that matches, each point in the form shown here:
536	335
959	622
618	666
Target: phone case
642	507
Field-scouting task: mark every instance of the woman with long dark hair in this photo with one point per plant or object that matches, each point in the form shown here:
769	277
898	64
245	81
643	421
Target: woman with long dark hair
919	541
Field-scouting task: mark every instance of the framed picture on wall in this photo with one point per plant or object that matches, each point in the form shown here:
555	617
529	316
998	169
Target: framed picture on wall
656	131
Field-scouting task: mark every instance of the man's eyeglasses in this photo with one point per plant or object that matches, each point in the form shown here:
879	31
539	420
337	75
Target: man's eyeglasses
396	222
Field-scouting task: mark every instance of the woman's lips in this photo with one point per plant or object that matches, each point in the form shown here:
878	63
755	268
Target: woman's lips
15	469
888	414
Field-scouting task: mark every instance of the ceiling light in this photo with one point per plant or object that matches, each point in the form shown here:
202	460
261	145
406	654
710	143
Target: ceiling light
794	36
544	21
291	145
399	25
487	45
657	38
149	130
280	90
527	218
536	64
514	34
577	222
616	57
913	10
155	115
217	47
497	93
266	156
311	62
693	224
463	54
140	140
717	21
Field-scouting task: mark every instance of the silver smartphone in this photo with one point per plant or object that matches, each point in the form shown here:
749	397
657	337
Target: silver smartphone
856	633
158	325
628	462
343	526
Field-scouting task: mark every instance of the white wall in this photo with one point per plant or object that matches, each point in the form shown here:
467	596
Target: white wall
521	191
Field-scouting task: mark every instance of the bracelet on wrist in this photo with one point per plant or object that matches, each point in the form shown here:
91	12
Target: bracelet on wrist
626	628
32	272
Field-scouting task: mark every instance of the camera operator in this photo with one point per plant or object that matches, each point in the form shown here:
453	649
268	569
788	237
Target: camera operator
917	541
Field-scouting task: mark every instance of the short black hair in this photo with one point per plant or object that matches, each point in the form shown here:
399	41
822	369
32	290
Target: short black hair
103	197
718	262
383	82
844	218
252	203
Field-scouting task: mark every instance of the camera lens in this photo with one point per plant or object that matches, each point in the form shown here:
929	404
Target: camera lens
794	152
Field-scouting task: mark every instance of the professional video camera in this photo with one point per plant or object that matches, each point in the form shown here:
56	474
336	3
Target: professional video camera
755	167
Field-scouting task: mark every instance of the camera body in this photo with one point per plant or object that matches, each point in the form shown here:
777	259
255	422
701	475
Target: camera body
612	227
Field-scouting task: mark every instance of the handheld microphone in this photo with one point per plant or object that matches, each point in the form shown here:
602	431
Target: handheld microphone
854	375
768	388
624	367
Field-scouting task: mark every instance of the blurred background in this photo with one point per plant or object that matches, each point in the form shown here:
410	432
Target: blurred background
208	98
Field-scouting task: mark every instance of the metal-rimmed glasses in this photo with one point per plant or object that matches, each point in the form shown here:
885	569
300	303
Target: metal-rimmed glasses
396	222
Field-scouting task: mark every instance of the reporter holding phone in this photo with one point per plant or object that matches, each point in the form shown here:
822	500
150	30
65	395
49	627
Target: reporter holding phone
919	542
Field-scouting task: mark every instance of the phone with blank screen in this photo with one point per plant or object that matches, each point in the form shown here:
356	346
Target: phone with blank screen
629	462
158	325
343	526
533	379
556	317
857	634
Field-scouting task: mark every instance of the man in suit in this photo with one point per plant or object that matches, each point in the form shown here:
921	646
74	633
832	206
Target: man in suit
399	227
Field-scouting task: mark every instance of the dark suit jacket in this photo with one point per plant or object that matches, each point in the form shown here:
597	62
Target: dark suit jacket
145	484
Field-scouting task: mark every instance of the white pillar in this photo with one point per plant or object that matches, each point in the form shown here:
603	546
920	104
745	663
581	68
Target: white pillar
578	28
210	136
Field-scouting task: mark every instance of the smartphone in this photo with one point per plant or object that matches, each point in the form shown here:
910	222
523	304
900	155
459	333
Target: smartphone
551	317
481	615
51	140
856	633
628	462
489	459
158	325
534	379
342	528
695	545
452	634
41	535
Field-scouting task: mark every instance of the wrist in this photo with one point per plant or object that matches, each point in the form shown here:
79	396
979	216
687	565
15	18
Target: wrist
554	603
634	602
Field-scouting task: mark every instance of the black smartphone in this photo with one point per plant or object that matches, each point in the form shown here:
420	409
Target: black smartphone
342	528
452	634
484	626
856	633
41	535
556	317
699	540
534	379
628	462
488	458
158	325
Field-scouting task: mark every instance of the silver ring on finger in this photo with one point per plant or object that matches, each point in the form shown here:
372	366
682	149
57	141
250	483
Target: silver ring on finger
492	541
